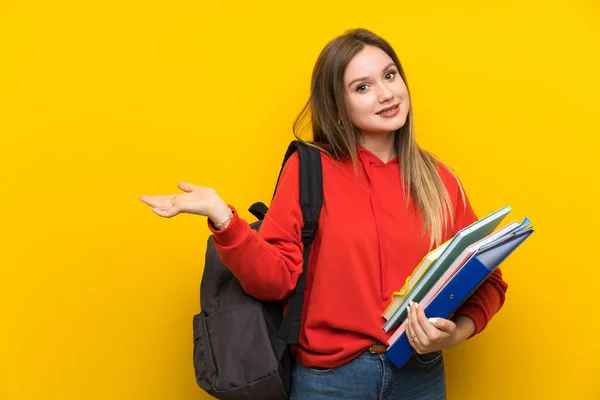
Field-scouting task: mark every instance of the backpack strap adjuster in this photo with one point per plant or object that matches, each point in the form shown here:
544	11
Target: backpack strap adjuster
308	234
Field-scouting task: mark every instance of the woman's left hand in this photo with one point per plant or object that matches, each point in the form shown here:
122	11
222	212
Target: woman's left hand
429	335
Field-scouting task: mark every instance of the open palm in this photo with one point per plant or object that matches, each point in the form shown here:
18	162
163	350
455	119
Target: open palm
195	200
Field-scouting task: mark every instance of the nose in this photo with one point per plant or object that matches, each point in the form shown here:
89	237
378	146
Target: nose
385	94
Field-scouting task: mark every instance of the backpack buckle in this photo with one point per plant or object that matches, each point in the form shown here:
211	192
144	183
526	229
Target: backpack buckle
307	234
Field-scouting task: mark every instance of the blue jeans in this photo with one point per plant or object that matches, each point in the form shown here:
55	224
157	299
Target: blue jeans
373	376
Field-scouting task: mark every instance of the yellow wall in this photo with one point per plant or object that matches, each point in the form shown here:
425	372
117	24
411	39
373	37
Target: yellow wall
102	102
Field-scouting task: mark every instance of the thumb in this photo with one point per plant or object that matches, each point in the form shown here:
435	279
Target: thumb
187	187
442	324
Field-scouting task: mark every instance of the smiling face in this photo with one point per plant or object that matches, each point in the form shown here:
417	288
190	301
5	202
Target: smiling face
376	96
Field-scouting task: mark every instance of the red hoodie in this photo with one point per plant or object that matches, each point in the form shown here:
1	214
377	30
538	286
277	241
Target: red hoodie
365	246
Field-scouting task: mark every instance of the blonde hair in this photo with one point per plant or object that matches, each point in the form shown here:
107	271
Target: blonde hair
335	134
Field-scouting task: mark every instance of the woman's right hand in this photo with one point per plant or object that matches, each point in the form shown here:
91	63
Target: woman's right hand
196	200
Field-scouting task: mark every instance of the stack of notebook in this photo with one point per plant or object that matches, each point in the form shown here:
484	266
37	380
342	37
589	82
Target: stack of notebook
448	275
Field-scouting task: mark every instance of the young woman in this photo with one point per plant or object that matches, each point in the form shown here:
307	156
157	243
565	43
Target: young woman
387	202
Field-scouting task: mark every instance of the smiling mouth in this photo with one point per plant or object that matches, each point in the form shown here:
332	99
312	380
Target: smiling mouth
387	110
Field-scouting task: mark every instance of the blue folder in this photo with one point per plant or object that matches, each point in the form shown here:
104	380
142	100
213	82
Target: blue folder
460	287
464	238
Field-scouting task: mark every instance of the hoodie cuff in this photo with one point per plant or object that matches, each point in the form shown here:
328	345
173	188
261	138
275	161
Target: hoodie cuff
229	235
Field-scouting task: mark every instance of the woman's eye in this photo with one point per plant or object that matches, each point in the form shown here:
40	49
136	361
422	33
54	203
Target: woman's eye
361	88
390	75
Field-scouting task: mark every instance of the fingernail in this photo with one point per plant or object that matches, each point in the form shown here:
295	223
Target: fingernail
433	320
416	305
408	307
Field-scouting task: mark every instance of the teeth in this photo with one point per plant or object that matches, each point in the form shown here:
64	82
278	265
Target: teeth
387	111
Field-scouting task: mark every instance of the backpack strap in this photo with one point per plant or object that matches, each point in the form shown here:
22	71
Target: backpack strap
259	210
311	200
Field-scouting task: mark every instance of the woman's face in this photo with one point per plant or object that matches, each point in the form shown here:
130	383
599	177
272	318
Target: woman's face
376	95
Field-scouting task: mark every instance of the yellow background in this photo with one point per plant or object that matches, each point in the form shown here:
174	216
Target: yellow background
101	102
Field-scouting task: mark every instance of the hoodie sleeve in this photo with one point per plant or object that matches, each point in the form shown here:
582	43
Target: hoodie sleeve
267	263
489	297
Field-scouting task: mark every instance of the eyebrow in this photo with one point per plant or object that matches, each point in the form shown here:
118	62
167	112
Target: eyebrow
364	78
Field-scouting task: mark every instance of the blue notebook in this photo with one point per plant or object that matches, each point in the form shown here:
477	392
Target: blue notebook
462	285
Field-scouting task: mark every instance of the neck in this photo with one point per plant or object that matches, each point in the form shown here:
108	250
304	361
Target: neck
382	145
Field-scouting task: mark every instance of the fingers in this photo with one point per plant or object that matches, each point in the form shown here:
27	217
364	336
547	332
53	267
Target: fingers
424	336
162	205
420	338
170	205
413	337
427	335
431	331
410	332
187	187
168	213
161	202
443	324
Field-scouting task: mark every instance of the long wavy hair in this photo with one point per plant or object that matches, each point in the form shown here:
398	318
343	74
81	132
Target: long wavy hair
335	134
